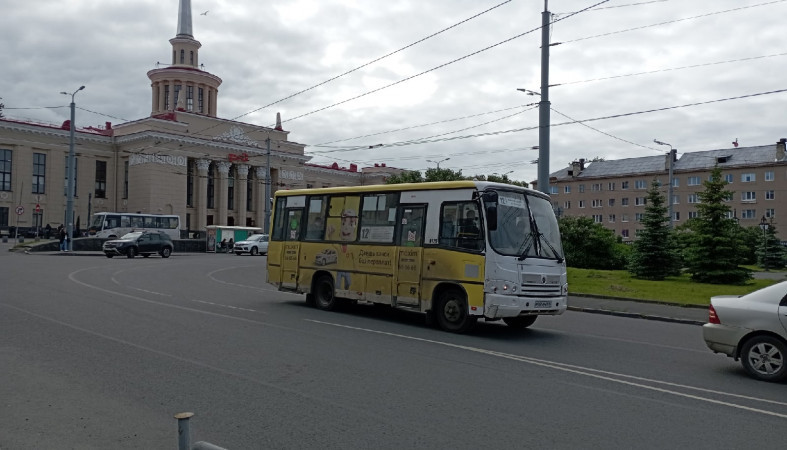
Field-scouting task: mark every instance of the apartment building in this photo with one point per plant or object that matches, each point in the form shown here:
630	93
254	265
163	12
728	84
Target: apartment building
614	193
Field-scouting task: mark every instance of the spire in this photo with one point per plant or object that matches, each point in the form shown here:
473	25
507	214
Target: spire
184	19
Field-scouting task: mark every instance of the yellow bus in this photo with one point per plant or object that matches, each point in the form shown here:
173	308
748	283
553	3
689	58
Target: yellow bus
458	251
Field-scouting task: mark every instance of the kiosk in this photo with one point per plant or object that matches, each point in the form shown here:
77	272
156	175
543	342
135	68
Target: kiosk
215	234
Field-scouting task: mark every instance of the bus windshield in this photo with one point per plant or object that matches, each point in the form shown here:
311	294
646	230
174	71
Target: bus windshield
526	227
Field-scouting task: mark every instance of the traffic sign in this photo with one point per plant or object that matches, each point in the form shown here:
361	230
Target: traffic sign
20	210
38	208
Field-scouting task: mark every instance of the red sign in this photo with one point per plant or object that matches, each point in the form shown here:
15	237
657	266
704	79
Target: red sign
242	157
38	207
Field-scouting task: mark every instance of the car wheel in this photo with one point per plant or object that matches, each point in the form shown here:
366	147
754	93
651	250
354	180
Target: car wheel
764	358
131	252
254	251
520	322
146	255
324	294
108	255
451	312
165	252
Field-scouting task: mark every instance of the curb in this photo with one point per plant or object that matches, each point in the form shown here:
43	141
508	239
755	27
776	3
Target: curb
636	315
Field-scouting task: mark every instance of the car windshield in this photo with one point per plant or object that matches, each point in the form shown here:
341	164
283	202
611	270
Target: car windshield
258	237
132	235
526	227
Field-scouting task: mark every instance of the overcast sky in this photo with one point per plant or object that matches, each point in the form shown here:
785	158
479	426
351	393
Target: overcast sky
453	98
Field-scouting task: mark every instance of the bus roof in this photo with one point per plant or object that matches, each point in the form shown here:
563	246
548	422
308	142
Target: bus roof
407	187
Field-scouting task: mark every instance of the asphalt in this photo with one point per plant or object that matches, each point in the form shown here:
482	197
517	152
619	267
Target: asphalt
639	309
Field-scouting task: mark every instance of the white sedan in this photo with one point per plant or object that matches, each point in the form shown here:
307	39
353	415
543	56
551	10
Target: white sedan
254	245
752	328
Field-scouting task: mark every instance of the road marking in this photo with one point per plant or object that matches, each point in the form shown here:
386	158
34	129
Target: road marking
228	306
585	371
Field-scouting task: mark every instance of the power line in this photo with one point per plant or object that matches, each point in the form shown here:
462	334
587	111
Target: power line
668	22
444	64
669	69
604	132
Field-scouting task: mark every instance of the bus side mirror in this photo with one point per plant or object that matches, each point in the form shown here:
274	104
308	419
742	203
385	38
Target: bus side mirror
491	217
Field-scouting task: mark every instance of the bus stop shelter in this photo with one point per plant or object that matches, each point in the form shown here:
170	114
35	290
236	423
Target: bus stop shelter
217	233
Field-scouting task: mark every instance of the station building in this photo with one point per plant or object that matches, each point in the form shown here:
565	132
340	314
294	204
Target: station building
182	159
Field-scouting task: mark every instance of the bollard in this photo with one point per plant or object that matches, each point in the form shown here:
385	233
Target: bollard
184	438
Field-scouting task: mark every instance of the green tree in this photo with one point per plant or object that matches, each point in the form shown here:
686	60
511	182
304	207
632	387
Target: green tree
588	245
654	255
770	253
714	245
415	176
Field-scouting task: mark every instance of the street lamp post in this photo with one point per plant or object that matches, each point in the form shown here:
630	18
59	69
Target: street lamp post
669	189
764	227
437	162
71	172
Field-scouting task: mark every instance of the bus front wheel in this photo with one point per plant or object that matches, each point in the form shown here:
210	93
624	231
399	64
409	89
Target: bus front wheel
451	312
324	294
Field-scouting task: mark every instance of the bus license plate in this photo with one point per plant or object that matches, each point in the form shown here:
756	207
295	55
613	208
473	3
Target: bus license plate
543	304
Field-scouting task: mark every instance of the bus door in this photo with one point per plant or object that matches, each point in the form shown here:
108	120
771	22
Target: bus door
291	249
410	232
286	233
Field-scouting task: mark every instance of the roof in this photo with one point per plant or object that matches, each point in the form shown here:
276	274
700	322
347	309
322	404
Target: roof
732	157
619	167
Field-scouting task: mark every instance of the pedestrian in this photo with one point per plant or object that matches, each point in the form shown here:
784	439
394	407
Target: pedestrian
61	235
223	245
48	231
230	245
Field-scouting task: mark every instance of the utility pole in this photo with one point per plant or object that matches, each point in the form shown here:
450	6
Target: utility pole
71	173
544	105
267	224
672	155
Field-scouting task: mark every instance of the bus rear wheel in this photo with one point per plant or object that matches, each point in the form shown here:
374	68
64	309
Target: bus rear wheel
451	312
324	293
520	321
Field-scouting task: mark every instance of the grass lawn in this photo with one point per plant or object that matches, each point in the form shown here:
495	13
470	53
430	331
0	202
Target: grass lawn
620	283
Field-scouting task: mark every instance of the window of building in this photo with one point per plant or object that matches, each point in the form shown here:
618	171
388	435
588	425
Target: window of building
748	214
624	201
640	184
598	218
581	203
770	212
201	99
640	201
692	198
566	205
65	183
581	188
693	214
611	202
595	187
675	199
567	189
728	178
231	189
182	56
611	218
191	57
675	182
624	233
638	217
3	216
212	186
190	182
250	191
101	179
748	178
769	175
5	170
189	98
693	181
611	186
166	97
748	196
770	195
39	173
177	95
624	218
676	216
624	184
596	203
553	190
125	179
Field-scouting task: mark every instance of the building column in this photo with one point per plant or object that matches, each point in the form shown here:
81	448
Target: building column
221	196
240	188
201	192
259	206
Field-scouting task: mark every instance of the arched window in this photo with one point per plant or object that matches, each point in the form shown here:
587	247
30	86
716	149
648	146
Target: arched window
192	58
182	56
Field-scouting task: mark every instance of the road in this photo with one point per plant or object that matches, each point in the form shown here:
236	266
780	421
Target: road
98	353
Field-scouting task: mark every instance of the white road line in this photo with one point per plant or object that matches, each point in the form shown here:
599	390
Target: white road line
584	371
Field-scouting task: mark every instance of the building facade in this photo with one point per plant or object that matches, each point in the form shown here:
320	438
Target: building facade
613	193
181	160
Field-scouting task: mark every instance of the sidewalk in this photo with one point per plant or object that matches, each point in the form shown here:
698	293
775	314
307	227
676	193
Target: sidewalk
693	315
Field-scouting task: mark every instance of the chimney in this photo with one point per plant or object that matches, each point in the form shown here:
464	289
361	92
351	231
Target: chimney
108	125
278	122
581	163
780	149
577	167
